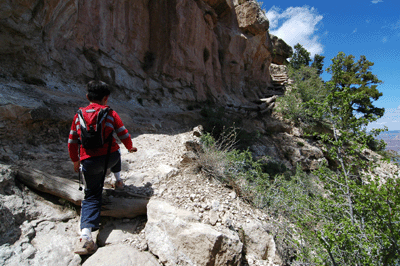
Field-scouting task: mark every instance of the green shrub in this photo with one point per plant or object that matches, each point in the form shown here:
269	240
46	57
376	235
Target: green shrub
273	168
307	86
235	168
314	217
338	214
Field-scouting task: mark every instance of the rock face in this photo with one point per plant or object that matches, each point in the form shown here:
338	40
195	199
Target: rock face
185	50
178	238
280	50
166	61
259	243
251	18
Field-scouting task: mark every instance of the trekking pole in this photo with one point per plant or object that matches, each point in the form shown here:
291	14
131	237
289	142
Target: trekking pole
79	171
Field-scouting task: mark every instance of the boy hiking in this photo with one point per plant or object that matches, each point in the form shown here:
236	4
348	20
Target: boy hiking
90	150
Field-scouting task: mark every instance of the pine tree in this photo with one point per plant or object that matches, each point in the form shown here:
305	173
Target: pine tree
300	57
357	80
318	63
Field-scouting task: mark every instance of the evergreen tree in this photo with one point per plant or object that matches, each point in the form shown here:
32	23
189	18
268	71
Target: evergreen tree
356	80
318	63
301	57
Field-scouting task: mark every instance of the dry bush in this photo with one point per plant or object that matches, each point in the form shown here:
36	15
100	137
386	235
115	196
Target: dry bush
213	160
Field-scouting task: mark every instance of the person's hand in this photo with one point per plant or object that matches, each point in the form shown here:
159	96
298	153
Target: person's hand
77	164
133	149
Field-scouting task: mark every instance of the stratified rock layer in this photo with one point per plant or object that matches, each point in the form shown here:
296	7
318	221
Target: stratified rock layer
151	51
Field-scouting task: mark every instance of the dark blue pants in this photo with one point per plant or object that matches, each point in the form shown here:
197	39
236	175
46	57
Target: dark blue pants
93	171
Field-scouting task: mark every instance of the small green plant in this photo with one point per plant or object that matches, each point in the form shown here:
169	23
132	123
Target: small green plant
301	144
208	141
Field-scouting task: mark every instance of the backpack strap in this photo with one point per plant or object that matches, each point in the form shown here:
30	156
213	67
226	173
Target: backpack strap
82	123
80	117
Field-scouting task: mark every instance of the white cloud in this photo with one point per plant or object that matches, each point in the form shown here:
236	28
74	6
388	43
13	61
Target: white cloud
297	25
376	1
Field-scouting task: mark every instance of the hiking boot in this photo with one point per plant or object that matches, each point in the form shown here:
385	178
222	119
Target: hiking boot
119	184
85	246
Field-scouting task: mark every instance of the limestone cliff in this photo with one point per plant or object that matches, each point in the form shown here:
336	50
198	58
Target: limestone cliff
151	51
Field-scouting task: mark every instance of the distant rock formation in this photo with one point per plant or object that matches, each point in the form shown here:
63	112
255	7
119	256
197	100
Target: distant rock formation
392	139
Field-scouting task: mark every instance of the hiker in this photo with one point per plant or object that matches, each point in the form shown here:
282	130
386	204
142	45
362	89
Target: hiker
92	162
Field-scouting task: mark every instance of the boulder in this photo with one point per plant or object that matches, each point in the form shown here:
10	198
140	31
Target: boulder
251	18
260	244
178	237
280	50
121	255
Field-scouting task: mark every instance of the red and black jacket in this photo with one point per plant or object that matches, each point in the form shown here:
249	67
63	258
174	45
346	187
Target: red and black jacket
113	123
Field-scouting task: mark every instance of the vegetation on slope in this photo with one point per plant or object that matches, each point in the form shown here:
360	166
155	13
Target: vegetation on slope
341	213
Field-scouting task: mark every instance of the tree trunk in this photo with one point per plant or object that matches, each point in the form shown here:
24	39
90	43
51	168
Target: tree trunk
117	204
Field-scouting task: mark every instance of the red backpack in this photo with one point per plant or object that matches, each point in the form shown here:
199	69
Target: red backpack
93	128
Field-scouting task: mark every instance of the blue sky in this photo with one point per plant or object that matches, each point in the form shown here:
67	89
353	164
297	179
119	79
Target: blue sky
363	27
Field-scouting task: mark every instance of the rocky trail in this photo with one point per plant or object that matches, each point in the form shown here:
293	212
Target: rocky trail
191	220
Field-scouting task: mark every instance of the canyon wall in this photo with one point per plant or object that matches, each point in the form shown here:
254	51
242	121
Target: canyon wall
170	52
